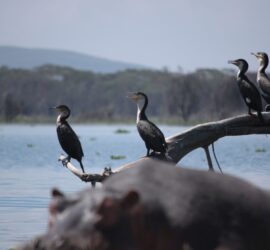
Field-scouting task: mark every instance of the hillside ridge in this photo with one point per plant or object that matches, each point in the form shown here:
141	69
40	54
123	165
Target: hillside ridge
28	58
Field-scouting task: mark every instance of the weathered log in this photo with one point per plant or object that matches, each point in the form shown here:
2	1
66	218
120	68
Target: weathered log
200	136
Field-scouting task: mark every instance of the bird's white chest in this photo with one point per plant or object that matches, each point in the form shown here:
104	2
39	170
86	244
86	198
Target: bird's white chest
58	120
138	114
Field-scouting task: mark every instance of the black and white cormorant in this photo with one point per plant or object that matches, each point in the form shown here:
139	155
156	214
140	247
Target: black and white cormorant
68	139
149	132
262	78
248	90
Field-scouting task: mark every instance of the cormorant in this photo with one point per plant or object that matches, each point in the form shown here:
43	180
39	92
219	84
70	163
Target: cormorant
248	90
149	132
68	140
262	78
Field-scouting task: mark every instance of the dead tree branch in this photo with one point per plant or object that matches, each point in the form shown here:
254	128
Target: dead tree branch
205	134
200	136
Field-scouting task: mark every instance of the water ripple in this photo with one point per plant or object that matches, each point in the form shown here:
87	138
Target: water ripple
24	202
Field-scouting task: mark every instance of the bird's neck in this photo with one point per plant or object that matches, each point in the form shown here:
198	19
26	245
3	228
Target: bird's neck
141	111
241	74
261	69
62	118
263	66
140	114
58	120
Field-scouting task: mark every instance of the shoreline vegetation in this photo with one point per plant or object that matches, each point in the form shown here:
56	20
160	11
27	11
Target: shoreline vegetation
25	120
176	98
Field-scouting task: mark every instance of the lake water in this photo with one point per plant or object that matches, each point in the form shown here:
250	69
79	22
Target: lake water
29	168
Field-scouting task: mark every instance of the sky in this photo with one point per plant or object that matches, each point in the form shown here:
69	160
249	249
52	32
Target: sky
186	34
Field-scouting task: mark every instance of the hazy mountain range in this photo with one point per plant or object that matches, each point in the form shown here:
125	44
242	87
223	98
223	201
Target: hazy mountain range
26	58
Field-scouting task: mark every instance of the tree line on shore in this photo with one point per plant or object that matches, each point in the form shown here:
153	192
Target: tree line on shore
203	95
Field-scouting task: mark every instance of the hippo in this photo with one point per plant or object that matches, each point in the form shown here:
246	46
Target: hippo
157	206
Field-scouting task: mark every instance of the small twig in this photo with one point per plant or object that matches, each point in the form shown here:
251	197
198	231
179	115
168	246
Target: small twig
214	153
209	160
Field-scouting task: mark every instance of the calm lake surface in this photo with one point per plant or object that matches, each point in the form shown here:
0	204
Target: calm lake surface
29	168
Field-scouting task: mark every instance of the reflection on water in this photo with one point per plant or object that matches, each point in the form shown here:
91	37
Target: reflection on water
29	168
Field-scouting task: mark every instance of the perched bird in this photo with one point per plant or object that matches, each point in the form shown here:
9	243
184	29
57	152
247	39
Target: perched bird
262	78
149	132
248	90
68	140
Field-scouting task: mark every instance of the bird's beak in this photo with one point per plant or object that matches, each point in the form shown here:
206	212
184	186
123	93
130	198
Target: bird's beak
133	96
52	107
255	54
232	62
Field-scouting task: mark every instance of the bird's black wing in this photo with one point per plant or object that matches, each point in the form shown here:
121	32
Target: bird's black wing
264	83
152	135
251	94
266	98
69	141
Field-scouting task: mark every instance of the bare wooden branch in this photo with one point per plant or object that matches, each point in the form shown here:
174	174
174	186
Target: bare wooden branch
200	136
205	134
214	153
208	157
93	178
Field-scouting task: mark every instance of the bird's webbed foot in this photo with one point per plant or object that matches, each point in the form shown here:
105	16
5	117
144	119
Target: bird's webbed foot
161	156
150	153
157	155
153	154
250	113
64	160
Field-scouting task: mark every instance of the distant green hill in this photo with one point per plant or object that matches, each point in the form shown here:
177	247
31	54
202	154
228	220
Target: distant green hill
16	57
